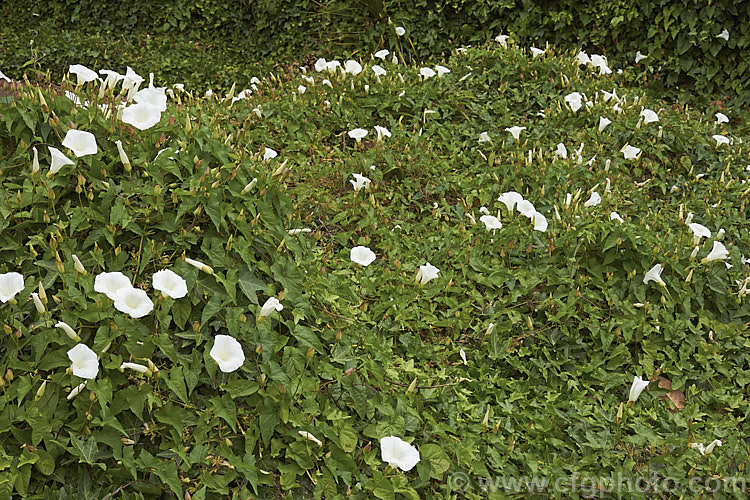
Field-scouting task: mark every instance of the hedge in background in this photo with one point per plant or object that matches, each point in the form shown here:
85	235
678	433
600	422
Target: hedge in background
697	45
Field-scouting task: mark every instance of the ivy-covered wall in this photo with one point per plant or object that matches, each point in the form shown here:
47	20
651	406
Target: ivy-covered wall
685	41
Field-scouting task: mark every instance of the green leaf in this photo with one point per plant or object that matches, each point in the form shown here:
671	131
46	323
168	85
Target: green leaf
437	458
87	451
224	407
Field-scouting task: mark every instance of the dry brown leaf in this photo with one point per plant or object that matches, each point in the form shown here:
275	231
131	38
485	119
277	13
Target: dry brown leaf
676	397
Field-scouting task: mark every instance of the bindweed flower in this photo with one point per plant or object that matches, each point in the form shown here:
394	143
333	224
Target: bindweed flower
133	301
227	352
540	222
427	72
603	122
636	389
515	131
561	151
59	160
83	74
76	390
130	82
398	453
110	79
718	252
441	70
155	96
142	115
170	284
594	200
510	199
535	52
269	154
382	132
649	116
491	222
574	100
353	67
654	274
721	118
85	363
400	31
639	57
200	265
80	142
357	134
310	437
484	137
379	71
724	34
707	449
10	285
616	216
68	330
359	182
502	40
526	208
111	283
630	152
601	63
321	65
362	255
720	139
426	273
699	231
272	304
382	54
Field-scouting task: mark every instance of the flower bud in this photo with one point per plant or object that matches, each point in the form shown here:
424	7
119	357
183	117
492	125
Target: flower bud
123	157
38	304
76	390
42	294
40	391
78	265
35	163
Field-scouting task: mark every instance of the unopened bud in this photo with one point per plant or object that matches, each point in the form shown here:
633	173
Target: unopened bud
249	186
9	375
38	304
59	263
200	265
310	352
78	265
196	326
40	391
42	294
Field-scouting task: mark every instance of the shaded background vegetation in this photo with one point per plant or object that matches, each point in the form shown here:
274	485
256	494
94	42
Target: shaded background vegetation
220	42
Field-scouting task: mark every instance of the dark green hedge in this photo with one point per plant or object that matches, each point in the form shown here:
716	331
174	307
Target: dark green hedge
679	37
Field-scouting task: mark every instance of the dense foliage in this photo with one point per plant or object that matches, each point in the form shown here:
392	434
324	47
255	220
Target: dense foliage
514	363
698	46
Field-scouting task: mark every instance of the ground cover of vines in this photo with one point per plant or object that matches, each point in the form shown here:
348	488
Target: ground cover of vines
372	279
